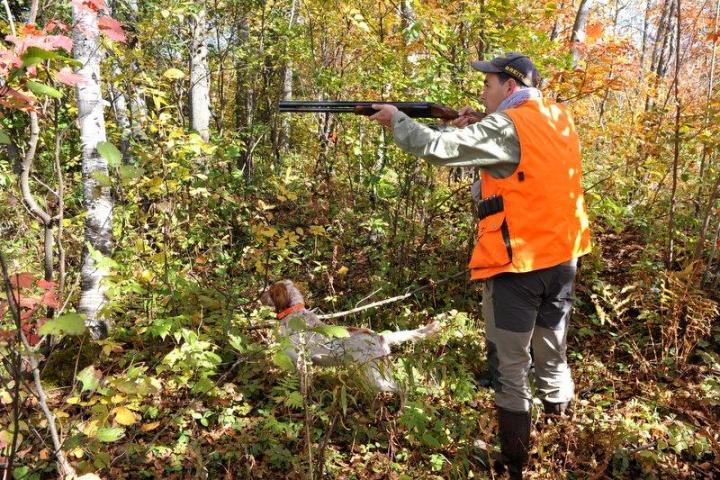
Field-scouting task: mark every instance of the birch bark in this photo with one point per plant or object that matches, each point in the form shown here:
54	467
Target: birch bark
200	77
97	197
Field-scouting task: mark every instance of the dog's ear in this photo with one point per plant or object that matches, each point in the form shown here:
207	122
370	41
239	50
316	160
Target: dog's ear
279	296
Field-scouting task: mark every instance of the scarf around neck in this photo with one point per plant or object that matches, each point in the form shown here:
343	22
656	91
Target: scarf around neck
521	96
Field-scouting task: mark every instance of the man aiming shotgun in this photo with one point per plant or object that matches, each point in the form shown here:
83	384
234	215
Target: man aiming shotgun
532	229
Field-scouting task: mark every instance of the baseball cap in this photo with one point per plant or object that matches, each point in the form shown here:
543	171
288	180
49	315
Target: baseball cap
517	65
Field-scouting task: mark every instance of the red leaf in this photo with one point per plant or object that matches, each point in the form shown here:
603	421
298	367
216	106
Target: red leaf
52	24
22	280
46	42
112	28
14	99
3	309
92	5
27	302
27	314
33	339
46	285
50	299
67	77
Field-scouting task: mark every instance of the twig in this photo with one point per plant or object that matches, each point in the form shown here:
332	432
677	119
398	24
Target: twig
66	470
392	299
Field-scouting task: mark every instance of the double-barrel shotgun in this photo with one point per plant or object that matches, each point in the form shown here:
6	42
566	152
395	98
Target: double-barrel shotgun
411	109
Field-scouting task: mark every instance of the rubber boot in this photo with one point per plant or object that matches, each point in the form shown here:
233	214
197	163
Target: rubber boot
514	442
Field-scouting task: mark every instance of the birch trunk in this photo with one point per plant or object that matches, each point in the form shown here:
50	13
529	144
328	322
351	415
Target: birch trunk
128	115
578	31
98	198
200	77
287	94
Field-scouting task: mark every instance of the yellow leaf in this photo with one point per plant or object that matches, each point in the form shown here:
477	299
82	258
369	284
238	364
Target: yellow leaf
125	416
117	398
78	452
174	74
61	414
150	426
317	230
90	428
342	270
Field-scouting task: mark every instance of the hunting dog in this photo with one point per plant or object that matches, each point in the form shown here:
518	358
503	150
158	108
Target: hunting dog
363	348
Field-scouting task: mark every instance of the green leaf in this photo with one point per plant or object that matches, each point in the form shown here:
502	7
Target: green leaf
70	324
90	378
294	400
110	434
35	55
128	172
282	360
110	153
297	323
42	89
430	441
102	178
4	138
333	331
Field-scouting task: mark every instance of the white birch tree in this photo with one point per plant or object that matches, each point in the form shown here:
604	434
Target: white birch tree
199	76
97	193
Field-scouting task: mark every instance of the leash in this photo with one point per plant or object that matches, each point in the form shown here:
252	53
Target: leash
391	299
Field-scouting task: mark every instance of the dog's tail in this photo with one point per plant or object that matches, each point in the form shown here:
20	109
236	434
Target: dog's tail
394	338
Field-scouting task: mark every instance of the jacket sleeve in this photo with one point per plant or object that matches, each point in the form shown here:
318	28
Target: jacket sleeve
491	143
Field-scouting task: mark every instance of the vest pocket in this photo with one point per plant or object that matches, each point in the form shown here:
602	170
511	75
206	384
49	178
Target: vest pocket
492	247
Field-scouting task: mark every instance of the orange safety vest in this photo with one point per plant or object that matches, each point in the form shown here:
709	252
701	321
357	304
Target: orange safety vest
543	221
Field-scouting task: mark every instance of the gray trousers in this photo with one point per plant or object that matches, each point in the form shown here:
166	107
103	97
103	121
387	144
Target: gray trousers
524	311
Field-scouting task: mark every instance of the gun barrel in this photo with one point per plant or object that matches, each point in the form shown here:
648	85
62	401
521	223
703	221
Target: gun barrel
412	109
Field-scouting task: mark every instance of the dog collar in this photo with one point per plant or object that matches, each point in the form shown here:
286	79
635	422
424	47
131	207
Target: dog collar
288	311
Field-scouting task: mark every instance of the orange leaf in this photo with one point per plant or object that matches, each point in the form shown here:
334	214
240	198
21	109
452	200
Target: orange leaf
594	31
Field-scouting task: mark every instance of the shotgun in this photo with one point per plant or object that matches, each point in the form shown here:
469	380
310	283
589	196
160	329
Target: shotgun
411	109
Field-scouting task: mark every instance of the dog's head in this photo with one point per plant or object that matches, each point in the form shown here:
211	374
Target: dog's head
282	295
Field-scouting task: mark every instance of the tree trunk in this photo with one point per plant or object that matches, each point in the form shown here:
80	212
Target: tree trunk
130	116
284	134
670	257
199	77
578	32
661	40
98	198
556	24
711	80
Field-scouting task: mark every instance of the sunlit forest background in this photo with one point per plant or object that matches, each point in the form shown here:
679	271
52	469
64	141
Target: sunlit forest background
142	156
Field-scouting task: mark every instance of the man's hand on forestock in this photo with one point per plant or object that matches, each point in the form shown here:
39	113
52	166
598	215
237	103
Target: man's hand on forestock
467	116
384	114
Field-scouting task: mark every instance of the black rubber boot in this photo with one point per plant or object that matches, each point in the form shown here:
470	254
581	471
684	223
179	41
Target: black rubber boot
514	442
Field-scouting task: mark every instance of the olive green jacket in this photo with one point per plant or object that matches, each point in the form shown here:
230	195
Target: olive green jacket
491	144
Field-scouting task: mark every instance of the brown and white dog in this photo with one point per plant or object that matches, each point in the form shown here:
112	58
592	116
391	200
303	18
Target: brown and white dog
363	348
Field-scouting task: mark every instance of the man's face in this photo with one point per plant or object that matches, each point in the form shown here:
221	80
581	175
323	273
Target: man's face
495	92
